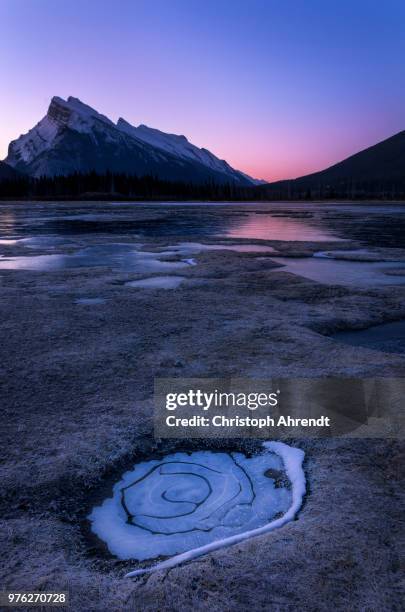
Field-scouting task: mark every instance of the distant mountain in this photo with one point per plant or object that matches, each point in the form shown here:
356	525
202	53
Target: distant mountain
7	172
75	137
378	170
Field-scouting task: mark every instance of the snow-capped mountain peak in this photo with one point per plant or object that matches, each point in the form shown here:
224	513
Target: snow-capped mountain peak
74	137
74	113
70	113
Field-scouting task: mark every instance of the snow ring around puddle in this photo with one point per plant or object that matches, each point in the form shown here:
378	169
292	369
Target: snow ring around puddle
186	505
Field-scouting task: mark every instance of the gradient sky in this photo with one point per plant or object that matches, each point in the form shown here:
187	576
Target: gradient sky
278	88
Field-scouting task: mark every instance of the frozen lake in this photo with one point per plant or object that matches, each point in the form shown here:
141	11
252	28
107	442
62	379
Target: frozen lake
251	221
59	236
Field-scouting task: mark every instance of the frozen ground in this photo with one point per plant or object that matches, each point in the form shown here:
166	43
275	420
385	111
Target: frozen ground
77	404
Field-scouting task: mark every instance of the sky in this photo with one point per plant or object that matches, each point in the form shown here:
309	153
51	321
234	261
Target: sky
278	88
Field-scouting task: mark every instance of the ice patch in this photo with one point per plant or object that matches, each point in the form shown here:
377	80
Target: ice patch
90	301
38	263
47	242
360	255
188	505
197	247
122	256
333	271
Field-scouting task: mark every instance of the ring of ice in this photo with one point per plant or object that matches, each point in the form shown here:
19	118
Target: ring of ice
186	505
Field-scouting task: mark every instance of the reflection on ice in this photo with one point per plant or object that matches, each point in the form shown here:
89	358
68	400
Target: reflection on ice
269	227
9	241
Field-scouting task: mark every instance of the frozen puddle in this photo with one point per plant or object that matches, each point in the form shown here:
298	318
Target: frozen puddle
127	257
157	282
122	256
186	505
332	271
90	301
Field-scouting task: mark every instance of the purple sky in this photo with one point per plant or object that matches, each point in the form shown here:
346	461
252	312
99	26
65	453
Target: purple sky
278	89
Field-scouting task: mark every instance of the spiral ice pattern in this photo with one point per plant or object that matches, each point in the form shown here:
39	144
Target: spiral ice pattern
186	501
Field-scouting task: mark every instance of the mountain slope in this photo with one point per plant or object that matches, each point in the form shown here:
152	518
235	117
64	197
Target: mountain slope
181	147
379	168
75	137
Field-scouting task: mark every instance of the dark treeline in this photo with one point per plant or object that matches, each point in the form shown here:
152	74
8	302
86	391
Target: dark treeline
93	186
119	186
343	189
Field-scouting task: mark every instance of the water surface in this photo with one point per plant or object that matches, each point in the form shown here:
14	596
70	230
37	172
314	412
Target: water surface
159	220
387	337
